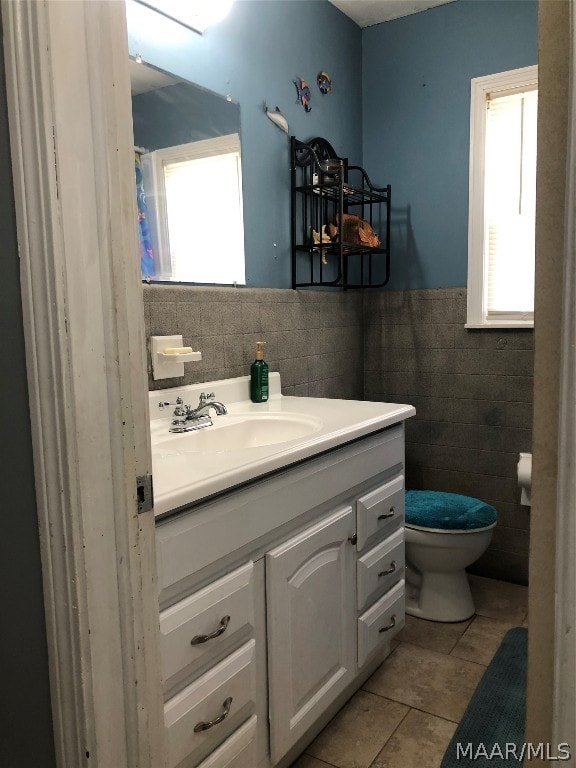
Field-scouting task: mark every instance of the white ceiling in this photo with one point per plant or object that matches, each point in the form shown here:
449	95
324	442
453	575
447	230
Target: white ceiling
368	12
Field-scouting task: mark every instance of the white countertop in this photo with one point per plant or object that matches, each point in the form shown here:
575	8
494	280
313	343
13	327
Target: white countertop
183	478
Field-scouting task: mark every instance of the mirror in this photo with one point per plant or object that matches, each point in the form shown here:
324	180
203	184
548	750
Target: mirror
188	180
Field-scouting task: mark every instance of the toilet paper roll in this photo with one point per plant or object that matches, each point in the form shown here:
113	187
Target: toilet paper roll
525	478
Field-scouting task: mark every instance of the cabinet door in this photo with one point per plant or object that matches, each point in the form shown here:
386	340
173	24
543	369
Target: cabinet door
311	615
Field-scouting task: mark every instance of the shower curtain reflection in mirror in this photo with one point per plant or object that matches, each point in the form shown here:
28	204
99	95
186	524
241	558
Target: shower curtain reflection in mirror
147	265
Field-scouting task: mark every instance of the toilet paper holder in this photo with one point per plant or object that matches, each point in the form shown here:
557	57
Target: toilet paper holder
524	470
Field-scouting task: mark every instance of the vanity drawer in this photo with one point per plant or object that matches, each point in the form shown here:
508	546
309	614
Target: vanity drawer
380	568
381	511
381	622
238	751
206	620
217	697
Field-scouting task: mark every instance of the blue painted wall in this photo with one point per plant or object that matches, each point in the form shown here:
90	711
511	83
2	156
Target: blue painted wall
179	114
416	99
254	55
400	106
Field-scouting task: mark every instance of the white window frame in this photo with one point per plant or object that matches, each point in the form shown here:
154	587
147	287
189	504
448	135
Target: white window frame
154	186
481	87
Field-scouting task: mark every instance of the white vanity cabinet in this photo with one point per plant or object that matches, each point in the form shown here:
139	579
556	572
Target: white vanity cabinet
278	599
311	643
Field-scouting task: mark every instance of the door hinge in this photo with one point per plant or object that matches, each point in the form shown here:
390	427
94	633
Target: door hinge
144	494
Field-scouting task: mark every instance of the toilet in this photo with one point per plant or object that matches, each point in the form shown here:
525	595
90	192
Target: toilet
445	533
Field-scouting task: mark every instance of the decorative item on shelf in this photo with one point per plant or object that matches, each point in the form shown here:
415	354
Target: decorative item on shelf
331	171
277	118
325	238
324	82
169	355
303	93
357	230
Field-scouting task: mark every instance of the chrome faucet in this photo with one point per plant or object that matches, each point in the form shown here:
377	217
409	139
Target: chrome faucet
189	419
206	402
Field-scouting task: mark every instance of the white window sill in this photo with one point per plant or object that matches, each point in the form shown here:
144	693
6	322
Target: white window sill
527	324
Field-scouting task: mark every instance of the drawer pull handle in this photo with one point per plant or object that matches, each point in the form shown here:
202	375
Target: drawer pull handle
390	626
217	632
388	514
388	571
202	726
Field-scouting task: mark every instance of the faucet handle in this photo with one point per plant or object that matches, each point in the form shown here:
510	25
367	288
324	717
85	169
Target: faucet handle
180	410
206	397
166	404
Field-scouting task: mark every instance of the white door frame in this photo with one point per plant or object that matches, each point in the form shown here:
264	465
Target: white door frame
70	130
564	704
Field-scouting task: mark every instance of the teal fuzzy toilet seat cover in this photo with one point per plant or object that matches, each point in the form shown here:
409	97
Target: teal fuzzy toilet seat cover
447	511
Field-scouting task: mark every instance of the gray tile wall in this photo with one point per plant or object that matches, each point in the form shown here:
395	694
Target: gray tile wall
473	394
314	338
472	389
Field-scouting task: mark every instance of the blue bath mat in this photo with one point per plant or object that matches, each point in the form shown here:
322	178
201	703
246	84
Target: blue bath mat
491	732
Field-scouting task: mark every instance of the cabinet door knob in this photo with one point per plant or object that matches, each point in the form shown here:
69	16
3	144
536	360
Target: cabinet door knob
353	539
388	514
217	632
388	571
203	726
390	626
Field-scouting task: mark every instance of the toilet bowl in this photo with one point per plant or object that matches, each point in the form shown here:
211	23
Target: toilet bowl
445	533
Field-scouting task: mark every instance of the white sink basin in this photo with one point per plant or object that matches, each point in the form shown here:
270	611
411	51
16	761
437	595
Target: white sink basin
237	433
251	440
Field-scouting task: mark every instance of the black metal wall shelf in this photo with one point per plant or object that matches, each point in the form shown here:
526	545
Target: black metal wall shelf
327	247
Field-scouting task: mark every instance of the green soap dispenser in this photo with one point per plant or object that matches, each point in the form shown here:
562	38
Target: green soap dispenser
259	376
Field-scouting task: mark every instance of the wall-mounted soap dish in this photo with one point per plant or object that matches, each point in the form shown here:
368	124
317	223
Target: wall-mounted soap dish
169	355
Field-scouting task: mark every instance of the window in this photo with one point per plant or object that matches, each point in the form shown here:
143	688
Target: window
501	224
194	197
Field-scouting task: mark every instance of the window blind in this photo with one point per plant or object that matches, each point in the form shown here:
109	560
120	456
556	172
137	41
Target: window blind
510	201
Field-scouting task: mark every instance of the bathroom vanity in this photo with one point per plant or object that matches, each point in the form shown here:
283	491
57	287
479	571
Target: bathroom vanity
280	556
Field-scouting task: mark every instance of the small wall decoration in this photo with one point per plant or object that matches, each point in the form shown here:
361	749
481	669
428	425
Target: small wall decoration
324	82
277	118
303	92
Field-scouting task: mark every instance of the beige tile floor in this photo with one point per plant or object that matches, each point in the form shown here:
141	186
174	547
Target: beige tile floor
406	713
